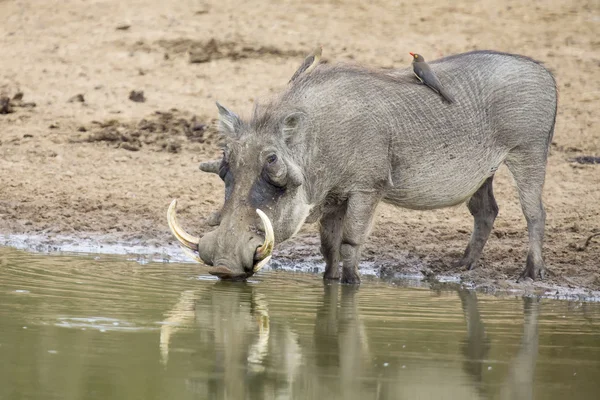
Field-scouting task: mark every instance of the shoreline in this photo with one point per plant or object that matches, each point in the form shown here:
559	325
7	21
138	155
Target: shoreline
381	271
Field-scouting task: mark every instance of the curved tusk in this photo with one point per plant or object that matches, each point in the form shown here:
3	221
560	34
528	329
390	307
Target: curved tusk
189	241
263	253
191	255
261	264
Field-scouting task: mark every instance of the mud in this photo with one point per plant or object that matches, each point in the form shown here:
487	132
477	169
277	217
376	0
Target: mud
213	49
405	271
160	131
106	169
8	105
587	160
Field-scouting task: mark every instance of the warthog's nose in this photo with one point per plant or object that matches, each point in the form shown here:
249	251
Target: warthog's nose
225	273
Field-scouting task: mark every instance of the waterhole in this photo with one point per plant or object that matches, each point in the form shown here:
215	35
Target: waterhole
104	327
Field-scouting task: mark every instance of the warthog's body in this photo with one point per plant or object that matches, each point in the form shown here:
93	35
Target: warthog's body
347	138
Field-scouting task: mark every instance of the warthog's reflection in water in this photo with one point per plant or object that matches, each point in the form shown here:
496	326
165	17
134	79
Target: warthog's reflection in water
246	350
476	345
341	351
518	383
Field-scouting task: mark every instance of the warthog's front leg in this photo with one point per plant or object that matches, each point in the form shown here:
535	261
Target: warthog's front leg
357	224
331	226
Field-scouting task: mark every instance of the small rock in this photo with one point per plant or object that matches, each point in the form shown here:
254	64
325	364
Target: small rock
574	228
586	160
18	96
123	27
78	98
173	147
53	126
5	107
129	146
82	129
198	127
27	135
137	96
198	57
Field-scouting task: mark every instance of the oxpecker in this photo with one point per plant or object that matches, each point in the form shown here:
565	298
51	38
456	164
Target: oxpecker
424	74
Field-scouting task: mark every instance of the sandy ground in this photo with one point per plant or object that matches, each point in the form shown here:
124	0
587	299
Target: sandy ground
109	166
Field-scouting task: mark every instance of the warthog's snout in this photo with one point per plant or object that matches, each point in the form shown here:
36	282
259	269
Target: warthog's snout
251	254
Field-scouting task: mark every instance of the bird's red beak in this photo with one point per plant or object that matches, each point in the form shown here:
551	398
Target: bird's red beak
412	54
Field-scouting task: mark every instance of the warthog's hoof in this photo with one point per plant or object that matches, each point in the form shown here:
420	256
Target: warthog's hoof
465	263
533	270
331	274
533	274
351	278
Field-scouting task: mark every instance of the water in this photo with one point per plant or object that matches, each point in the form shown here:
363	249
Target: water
102	327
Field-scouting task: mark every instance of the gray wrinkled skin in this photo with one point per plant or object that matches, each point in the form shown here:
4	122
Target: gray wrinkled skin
346	138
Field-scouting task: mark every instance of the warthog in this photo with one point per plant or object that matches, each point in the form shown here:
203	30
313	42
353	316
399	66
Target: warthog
340	139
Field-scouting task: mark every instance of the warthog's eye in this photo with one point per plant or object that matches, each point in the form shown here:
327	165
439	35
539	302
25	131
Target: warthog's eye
275	171
272	159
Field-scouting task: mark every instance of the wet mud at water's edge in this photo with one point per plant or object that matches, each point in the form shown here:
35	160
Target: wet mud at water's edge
106	327
404	269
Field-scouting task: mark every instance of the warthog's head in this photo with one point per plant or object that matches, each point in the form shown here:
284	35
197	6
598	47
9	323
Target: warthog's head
265	192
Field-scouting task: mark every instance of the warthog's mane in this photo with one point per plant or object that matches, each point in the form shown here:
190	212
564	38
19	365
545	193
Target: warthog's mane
271	111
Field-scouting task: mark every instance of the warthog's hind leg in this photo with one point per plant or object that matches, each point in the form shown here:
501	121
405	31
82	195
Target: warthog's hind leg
529	170
484	210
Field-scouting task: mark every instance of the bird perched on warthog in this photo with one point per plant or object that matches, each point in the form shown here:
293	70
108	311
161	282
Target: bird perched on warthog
426	76
310	62
341	139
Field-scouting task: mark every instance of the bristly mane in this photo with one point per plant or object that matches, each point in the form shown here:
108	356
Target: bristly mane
264	113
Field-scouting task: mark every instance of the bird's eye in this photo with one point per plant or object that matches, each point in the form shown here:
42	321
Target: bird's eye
272	159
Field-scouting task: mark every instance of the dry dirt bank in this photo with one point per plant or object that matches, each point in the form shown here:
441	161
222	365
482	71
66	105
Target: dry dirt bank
109	166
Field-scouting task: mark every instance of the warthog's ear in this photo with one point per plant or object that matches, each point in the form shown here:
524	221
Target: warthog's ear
229	122
292	127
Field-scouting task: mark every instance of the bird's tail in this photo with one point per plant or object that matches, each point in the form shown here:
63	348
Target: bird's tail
446	95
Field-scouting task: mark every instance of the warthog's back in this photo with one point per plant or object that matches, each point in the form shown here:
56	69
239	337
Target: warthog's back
435	154
503	102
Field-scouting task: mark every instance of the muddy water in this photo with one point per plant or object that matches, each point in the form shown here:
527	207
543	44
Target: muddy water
103	327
